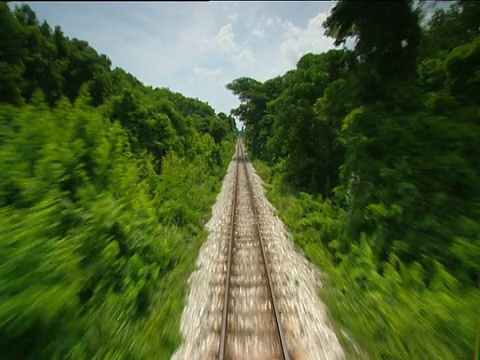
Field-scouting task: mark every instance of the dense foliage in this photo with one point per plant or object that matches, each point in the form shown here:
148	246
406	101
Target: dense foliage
104	190
373	159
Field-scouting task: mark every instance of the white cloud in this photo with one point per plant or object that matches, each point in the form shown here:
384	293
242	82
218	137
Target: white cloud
246	56
238	54
271	21
259	33
223	41
206	73
225	38
233	17
297	42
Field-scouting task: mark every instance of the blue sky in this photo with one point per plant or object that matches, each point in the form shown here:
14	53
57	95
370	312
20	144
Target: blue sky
195	48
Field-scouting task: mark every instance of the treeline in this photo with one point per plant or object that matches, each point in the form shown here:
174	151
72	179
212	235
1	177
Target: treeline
105	187
374	159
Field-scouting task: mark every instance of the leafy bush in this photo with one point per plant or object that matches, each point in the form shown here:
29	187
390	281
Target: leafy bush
386	307
95	246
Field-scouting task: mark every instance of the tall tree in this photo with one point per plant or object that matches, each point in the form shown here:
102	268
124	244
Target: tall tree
387	36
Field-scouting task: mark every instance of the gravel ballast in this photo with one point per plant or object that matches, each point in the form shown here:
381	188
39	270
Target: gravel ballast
305	321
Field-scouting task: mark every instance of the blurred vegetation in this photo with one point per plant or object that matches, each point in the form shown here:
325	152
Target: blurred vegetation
104	190
371	157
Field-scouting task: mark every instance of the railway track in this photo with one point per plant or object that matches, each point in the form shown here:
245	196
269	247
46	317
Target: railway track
251	324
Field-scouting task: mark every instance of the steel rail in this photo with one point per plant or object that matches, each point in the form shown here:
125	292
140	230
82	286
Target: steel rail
223	338
276	311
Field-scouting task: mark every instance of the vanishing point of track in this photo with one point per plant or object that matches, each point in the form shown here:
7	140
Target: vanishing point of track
250	312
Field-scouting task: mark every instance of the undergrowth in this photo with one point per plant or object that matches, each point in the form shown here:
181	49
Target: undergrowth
96	245
381	311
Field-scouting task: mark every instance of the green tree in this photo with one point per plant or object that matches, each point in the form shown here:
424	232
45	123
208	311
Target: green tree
98	231
387	36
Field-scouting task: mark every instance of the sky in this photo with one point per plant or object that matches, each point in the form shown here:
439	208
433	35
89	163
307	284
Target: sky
195	48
